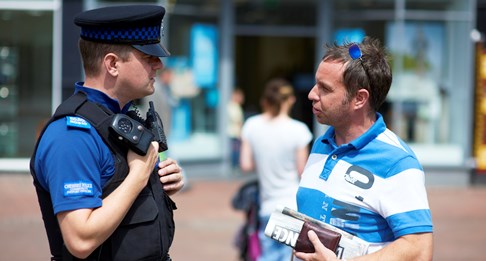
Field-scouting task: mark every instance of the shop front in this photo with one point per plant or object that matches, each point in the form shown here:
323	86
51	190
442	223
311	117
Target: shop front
220	45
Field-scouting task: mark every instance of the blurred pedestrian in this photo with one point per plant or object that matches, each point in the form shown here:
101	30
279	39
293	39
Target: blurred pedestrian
360	176
99	199
164	102
235	123
277	147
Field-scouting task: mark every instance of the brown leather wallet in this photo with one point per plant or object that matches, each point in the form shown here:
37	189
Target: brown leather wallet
329	238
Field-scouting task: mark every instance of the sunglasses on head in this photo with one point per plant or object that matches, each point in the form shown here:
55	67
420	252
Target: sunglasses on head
355	53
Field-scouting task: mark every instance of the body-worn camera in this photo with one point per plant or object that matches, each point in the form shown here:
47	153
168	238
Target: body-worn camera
138	133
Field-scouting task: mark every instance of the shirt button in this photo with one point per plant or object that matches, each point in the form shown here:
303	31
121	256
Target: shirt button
334	157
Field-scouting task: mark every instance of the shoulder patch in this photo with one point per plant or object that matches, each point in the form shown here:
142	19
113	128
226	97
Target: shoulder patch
79	188
77	122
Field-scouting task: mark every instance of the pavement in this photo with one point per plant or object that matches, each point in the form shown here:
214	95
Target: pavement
206	223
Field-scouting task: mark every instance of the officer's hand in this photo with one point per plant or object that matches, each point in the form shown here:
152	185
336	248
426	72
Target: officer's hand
143	164
170	176
322	253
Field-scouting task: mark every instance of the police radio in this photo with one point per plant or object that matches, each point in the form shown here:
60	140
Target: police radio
137	133
154	123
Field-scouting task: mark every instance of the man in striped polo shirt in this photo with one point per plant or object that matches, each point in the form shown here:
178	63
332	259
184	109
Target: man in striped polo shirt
360	176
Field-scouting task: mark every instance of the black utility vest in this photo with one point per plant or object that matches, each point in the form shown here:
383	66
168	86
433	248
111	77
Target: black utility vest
147	230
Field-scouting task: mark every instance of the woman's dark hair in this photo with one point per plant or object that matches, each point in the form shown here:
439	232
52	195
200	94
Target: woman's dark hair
277	91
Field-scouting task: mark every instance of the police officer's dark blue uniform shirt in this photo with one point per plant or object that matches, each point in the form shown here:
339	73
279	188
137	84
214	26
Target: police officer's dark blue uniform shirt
72	144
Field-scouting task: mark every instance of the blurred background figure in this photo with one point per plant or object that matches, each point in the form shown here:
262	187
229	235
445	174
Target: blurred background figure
276	146
235	122
164	100
164	103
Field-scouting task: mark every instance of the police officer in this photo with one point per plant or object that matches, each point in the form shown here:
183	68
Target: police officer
99	199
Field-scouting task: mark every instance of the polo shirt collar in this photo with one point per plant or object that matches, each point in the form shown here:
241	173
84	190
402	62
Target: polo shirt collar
99	97
376	129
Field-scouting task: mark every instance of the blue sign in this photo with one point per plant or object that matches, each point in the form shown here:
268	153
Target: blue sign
204	55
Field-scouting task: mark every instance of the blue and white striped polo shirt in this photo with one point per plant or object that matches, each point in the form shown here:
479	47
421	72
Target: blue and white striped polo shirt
372	187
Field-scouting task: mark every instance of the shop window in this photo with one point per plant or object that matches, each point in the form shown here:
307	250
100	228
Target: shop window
25	79
191	87
418	91
429	57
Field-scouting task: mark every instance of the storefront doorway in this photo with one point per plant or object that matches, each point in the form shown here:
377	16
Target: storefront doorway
260	58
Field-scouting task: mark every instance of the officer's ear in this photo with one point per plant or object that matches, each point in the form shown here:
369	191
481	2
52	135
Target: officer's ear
110	63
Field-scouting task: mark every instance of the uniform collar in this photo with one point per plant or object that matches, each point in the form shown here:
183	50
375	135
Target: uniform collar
376	129
99	97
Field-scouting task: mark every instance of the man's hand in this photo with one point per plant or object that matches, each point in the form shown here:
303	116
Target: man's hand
143	165
408	247
85	229
322	253
170	176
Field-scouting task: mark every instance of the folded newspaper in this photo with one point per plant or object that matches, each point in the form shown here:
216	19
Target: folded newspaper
285	225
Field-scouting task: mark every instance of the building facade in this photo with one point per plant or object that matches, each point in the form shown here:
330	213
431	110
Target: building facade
218	45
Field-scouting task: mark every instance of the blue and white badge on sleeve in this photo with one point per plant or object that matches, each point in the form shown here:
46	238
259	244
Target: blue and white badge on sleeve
78	188
77	122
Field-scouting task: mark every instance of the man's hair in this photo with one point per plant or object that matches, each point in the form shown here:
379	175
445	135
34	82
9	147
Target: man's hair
92	54
376	79
276	92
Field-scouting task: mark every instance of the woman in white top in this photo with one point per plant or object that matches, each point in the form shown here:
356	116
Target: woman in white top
276	146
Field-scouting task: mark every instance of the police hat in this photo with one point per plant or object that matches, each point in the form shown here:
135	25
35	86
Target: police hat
136	25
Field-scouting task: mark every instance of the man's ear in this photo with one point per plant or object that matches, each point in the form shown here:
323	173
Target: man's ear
110	63
361	98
